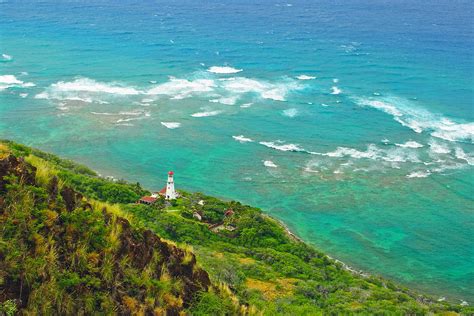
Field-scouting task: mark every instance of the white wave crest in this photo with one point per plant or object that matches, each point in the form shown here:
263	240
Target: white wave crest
205	114
279	145
171	125
372	152
266	90
438	148
130	119
290	112
183	88
9	81
242	139
225	100
6	57
223	70
269	164
419	174
410	144
419	120
460	154
393	155
103	113
90	85
335	90
305	77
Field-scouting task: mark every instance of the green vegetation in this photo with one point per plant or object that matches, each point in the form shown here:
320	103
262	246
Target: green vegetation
65	248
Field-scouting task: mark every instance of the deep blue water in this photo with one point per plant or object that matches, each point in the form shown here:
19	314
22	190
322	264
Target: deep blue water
351	122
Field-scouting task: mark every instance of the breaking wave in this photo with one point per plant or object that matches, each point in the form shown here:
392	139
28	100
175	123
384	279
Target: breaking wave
410	144
266	90
183	88
335	90
224	90
242	139
171	125
10	81
6	57
90	85
205	114
419	174
305	77
280	145
269	164
223	70
421	120
290	112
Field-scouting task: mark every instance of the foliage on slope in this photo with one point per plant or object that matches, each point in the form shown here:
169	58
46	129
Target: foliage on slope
251	256
61	253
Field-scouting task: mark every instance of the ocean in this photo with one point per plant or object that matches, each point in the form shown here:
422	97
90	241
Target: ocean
350	121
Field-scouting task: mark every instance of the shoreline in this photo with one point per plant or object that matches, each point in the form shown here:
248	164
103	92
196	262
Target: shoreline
361	273
345	266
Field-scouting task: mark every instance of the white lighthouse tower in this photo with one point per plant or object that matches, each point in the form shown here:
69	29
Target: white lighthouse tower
170	192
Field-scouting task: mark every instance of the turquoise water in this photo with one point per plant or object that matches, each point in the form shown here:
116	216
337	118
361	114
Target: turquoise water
352	123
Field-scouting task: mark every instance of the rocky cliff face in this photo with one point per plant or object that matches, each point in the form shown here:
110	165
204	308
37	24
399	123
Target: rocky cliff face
59	255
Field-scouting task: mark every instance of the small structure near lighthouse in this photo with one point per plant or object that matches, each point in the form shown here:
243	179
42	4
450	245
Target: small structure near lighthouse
170	193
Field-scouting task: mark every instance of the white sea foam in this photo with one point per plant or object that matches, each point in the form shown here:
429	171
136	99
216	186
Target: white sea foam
460	154
305	77
171	125
183	88
266	90
23	95
372	152
335	80
133	113
419	120
90	85
269	164
410	144
393	155
242	139
419	174
9	81
128	119
227	91
103	113
290	112
279	145
72	98
335	90
205	114
223	70
226	100
439	148
246	105
6	57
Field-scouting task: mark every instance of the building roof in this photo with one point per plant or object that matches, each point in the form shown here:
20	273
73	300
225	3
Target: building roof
229	212
148	199
162	191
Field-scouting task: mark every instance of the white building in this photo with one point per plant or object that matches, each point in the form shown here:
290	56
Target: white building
170	193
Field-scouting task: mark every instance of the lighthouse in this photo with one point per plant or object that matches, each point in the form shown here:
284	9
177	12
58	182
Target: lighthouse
170	192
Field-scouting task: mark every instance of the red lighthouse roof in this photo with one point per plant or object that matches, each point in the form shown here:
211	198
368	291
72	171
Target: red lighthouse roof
171	173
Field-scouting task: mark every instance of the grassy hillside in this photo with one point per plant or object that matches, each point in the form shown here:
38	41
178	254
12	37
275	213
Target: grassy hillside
73	242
